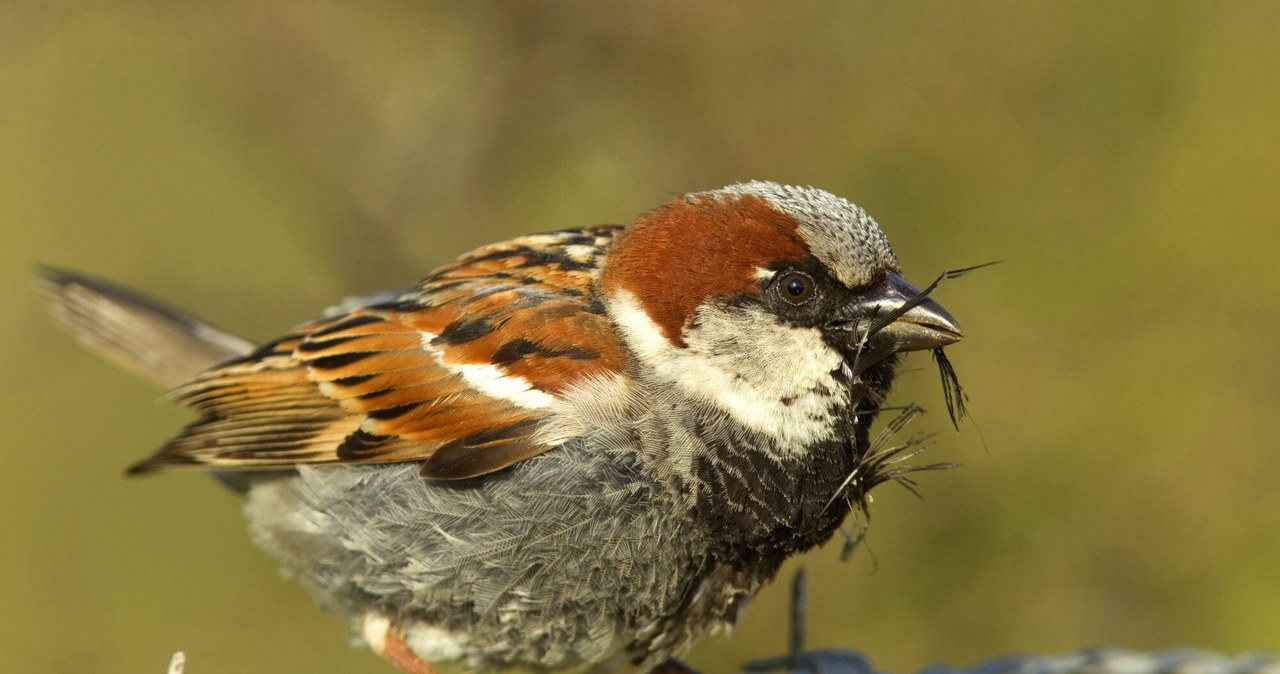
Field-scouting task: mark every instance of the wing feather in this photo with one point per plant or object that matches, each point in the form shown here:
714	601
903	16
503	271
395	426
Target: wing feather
456	373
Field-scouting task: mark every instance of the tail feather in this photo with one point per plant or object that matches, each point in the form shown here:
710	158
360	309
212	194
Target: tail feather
161	344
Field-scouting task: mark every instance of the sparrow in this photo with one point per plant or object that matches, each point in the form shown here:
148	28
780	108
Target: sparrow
579	449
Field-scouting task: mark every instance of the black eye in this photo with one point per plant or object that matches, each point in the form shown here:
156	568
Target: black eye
795	287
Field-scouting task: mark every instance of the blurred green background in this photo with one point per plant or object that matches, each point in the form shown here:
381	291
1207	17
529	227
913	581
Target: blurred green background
255	161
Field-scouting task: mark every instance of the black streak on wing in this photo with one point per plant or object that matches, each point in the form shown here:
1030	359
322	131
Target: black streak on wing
312	345
340	360
518	348
353	380
388	413
359	443
482	453
558	259
353	322
464	330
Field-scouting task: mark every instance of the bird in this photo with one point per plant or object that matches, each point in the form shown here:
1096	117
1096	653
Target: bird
580	449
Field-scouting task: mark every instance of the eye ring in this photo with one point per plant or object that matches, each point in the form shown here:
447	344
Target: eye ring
795	287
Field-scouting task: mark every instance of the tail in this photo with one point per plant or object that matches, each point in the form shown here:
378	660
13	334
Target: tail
162	345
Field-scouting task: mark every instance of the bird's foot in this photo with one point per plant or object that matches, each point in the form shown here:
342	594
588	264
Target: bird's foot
832	661
800	661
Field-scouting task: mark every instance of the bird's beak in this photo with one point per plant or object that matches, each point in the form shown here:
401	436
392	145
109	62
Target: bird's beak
897	318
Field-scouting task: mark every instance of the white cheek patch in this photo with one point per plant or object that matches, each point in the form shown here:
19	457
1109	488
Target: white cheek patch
771	377
491	380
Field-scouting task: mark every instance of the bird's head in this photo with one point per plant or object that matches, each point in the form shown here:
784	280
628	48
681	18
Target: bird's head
782	307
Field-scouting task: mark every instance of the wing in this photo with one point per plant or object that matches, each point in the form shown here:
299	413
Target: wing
455	373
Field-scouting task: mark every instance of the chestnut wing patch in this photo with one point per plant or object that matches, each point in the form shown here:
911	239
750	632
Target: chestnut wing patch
456	373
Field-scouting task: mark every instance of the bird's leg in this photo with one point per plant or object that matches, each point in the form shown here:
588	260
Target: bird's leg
800	661
388	641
